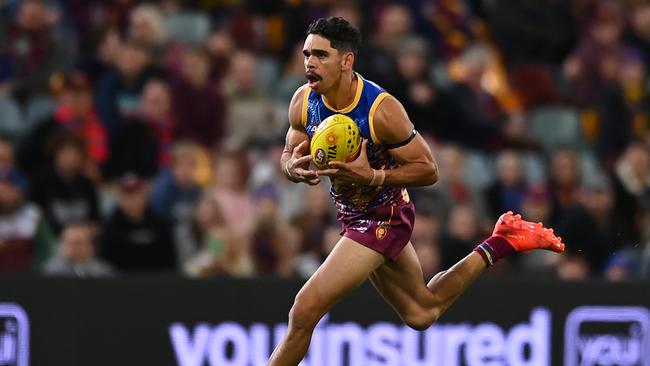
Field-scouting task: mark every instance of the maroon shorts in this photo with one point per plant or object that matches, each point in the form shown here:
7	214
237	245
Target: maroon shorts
385	229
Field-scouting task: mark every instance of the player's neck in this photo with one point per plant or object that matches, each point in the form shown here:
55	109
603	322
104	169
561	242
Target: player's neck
343	92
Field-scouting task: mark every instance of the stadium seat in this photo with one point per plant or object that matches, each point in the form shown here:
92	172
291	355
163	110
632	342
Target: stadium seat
191	28
479	169
37	109
555	126
11	122
534	168
589	165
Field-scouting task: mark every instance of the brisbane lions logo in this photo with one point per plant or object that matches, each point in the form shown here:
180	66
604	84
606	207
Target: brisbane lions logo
382	230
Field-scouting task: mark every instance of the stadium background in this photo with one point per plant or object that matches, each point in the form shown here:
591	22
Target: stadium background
140	143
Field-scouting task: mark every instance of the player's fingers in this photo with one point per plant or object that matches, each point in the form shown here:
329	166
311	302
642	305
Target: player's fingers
364	145
337	164
302	147
327	172
303	160
297	151
313	182
305	173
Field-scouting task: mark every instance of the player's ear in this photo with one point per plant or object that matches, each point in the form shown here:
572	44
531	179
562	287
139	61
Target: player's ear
347	61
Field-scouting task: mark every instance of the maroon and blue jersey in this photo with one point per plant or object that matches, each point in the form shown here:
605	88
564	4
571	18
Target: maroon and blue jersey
357	198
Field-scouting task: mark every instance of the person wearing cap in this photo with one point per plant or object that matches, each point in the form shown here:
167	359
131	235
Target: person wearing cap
25	237
135	239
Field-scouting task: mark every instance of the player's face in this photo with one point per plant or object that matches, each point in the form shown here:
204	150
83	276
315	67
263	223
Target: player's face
323	64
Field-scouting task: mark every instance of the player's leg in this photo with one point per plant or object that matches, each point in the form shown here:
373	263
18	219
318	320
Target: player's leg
400	282
347	267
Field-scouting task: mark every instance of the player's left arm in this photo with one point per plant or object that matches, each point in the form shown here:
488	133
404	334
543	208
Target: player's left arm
417	167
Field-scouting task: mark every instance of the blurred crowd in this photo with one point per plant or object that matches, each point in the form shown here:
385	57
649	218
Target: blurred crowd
145	136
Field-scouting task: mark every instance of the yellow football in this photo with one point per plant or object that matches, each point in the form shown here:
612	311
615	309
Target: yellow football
336	138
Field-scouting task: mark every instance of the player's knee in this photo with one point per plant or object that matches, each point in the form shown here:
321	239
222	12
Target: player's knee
421	320
438	275
419	323
304	314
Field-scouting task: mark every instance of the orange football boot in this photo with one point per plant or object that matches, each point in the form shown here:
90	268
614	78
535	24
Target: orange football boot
524	236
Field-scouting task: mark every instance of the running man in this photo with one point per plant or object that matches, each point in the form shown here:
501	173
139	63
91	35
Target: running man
370	195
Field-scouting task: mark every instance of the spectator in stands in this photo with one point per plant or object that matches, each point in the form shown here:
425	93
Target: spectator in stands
229	188
595	61
176	190
75	256
453	189
507	192
638	33
35	51
147	27
103	55
220	250
75	114
470	115
293	76
267	171
155	109
135	239
312	221
220	47
393	24
175	193
530	32
62	191
7	155
25	237
425	239
119	89
631	186
459	236
253	120
563	182
625	109
413	86
199	106
135	148
589	226
275	243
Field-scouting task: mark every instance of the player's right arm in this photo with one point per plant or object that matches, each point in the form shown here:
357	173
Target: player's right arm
295	156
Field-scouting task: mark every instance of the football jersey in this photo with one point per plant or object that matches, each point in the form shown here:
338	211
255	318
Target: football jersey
356	198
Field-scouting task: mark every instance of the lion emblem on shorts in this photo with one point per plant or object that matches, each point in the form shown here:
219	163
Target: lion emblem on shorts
382	230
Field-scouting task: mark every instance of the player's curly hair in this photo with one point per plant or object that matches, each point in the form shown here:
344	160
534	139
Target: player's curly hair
342	35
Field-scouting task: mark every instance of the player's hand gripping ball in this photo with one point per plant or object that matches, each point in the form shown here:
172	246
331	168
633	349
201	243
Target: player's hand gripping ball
337	138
